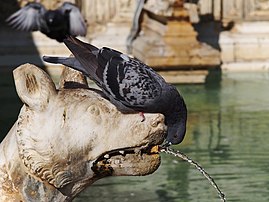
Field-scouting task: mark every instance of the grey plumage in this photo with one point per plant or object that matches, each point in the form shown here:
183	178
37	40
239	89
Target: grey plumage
56	24
128	83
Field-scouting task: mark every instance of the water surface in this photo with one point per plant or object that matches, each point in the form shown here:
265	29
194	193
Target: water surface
228	134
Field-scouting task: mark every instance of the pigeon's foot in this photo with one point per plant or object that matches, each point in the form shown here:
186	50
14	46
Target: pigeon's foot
143	116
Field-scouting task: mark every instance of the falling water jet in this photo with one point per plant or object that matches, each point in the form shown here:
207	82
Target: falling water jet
179	154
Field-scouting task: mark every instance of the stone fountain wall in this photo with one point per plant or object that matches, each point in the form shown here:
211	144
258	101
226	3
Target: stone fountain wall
246	46
197	34
243	40
168	39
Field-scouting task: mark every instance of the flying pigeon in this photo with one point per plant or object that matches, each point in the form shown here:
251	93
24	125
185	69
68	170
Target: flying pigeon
129	84
56	24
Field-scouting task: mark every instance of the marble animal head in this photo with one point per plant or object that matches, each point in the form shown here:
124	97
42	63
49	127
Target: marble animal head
67	138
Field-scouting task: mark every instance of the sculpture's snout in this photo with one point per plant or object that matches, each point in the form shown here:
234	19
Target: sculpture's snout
158	129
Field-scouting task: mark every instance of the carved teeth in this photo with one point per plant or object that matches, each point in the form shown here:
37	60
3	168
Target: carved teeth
117	161
106	156
138	151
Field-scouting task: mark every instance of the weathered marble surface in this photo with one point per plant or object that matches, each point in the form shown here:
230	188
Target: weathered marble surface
66	139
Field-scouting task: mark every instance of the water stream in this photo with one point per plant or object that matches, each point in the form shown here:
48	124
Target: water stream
227	133
184	157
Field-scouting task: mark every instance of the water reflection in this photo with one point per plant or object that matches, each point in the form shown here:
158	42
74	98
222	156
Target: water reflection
228	131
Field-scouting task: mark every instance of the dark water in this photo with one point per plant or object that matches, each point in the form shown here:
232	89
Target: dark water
9	102
228	134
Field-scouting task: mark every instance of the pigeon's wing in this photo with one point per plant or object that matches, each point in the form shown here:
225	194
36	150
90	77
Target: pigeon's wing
28	18
77	25
86	54
124	80
84	51
129	81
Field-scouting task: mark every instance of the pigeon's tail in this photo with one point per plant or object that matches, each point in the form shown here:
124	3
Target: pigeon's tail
67	61
85	59
72	40
86	55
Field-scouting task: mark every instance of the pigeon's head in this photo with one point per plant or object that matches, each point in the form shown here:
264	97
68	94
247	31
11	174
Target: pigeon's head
54	18
49	17
176	121
176	132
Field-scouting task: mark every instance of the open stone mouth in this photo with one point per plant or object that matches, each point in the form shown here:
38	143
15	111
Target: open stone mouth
149	150
116	161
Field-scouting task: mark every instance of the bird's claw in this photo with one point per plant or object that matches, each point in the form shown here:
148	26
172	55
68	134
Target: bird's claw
143	116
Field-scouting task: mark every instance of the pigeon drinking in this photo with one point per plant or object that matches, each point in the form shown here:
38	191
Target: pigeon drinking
129	84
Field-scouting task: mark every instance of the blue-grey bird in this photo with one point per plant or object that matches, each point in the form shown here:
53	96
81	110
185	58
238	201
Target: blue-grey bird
129	84
56	24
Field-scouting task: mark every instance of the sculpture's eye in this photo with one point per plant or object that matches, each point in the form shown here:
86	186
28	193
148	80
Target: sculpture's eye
94	110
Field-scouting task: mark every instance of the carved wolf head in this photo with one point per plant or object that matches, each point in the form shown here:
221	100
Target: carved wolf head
72	136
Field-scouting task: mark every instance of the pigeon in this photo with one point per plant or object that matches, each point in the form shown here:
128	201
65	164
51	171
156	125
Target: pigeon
56	24
129	84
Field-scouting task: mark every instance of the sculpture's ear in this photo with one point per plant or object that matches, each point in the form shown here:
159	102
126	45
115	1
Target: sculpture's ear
34	86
